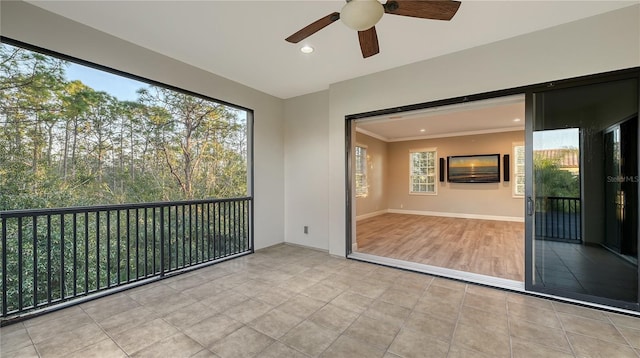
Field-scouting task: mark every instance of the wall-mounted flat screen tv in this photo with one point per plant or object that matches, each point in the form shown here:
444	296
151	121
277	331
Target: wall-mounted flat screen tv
483	168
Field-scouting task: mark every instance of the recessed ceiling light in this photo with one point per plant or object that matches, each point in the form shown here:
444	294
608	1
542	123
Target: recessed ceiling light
423	130
306	49
516	119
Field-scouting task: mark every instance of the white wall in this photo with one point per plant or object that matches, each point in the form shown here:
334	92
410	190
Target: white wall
602	43
306	169
26	23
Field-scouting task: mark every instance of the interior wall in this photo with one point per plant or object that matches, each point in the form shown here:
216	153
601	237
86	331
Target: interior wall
24	22
597	44
306	169
456	199
377	172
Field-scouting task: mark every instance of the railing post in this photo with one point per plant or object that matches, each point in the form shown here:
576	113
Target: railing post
161	241
4	267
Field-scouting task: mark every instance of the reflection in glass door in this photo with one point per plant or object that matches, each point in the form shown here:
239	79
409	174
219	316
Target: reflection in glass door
582	200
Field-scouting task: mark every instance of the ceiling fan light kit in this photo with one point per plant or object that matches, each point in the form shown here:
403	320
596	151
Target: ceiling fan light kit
363	15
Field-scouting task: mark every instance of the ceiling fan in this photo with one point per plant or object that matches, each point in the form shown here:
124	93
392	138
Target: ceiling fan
363	15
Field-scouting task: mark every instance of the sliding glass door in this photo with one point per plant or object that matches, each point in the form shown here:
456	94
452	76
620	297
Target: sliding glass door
582	191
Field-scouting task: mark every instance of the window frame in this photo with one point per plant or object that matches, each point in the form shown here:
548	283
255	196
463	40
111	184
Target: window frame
436	168
362	190
518	171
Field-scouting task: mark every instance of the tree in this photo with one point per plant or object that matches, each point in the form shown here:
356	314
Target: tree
550	180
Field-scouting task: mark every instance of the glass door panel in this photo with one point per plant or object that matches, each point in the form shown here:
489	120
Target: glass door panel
582	201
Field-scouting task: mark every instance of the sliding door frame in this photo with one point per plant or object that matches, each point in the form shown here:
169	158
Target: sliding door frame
529	92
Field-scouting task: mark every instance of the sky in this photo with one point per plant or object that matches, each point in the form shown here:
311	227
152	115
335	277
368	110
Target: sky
556	139
120	87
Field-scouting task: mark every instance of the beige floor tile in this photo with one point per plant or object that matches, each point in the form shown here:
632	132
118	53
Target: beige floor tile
205	353
62	344
401	297
52	327
483	340
275	296
252	288
486	291
462	352
14	339
212	329
310	338
373	331
589	347
175	346
127	320
24	352
533	314
204	291
322	292
56	315
275	323
527	349
489	304
484	319
590	327
449	283
301	306
346	346
624	320
410	344
388	312
297	284
632	335
439	307
188	315
367	289
245	342
139	337
224	301
333	317
450	294
109	306
248	310
430	325
530	301
546	336
103	349
579	311
279	350
352	302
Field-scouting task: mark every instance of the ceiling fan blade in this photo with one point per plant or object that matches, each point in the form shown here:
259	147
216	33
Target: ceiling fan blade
313	27
424	9
368	42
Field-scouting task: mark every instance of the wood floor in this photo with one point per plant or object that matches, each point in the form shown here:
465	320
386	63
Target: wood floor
494	248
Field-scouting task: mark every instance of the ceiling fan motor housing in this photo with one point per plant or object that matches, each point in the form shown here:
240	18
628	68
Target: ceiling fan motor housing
361	15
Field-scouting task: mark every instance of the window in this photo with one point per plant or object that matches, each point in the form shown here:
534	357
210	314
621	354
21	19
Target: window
518	169
362	188
422	174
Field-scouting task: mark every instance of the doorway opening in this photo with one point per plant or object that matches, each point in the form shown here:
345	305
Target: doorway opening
414	206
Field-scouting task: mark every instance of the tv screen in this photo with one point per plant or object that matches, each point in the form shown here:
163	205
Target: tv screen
474	168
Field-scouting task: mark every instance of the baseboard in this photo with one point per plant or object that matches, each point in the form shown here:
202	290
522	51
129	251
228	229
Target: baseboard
457	215
354	247
370	215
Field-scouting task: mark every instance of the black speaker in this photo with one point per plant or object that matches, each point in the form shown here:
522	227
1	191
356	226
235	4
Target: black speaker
441	169
505	165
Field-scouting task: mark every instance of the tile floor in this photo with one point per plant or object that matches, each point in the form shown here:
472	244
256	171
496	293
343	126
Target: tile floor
288	301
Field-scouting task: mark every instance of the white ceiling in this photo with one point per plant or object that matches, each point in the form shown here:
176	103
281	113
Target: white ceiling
479	117
244	40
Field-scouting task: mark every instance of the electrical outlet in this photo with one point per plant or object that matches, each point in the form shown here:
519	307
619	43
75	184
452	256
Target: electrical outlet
306	229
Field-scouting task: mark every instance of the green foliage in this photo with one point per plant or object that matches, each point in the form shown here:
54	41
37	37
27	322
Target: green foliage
550	180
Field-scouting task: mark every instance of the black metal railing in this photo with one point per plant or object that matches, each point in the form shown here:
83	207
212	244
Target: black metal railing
558	218
50	256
